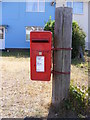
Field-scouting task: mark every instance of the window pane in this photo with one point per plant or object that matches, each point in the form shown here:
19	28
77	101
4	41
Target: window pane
78	7
1	33
41	6
33	28
35	6
31	6
69	4
27	37
28	30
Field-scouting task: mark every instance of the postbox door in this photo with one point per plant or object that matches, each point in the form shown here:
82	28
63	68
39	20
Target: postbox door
41	67
40	55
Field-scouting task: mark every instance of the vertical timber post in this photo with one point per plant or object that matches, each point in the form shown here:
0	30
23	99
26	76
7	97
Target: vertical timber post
62	58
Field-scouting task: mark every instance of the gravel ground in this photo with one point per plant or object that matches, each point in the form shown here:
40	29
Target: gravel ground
79	76
21	97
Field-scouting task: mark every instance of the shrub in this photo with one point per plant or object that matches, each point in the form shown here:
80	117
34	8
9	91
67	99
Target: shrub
77	100
49	26
78	39
78	36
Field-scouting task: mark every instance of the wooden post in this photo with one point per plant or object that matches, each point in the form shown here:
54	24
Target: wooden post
62	58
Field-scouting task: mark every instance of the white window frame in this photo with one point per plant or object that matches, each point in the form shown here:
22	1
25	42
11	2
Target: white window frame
3	32
77	2
2	40
27	1
33	28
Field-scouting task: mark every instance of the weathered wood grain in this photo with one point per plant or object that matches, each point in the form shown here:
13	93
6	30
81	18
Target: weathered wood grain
62	58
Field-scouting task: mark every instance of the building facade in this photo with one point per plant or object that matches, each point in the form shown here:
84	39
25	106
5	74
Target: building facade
81	14
19	18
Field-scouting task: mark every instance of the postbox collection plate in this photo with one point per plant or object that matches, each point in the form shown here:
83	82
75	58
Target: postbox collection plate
40	64
40	55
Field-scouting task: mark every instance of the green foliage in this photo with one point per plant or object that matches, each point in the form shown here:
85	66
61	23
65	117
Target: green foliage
80	64
78	39
16	53
78	100
49	26
78	36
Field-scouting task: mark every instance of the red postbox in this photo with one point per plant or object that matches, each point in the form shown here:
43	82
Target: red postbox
40	55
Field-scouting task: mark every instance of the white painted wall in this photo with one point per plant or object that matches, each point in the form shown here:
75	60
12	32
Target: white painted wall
60	3
82	19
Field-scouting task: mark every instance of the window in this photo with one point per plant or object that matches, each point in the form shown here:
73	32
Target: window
77	7
69	4
29	29
35	6
1	33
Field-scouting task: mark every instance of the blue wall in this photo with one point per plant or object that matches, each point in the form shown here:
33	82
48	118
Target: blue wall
15	16
0	13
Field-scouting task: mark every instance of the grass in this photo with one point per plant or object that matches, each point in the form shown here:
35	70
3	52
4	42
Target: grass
75	102
16	53
81	65
78	99
84	66
79	72
78	62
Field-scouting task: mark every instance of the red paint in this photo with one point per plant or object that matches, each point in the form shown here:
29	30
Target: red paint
40	42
